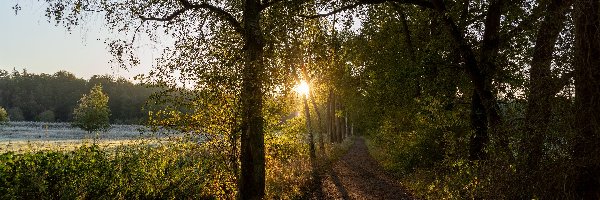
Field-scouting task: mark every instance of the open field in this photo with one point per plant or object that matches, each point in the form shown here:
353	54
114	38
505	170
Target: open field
35	136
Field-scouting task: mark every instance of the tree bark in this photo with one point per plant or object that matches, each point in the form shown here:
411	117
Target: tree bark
587	98
252	180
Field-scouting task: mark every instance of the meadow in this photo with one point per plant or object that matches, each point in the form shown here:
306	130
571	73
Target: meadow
57	161
34	136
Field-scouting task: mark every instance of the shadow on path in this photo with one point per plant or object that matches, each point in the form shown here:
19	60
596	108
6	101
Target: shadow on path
358	176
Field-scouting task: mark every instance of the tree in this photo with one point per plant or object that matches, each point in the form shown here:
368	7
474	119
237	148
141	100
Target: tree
16	114
3	115
233	26
46	116
587	106
543	86
92	113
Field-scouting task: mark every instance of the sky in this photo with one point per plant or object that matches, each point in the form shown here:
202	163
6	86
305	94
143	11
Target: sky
28	41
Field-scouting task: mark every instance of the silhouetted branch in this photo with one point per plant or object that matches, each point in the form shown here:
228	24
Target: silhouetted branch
220	13
425	4
266	4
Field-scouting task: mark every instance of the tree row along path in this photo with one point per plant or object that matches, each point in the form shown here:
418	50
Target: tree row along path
358	176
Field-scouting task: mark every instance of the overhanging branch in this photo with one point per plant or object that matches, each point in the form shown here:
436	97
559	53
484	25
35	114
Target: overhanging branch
220	13
421	3
266	4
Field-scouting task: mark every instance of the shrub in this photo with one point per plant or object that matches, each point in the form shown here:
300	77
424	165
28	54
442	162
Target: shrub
46	116
92	113
16	114
3	115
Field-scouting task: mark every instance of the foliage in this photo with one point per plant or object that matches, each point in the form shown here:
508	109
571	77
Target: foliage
16	114
46	116
92	113
3	115
26	95
169	171
188	166
416	106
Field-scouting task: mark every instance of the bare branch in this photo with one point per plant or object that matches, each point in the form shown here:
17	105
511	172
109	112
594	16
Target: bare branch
220	13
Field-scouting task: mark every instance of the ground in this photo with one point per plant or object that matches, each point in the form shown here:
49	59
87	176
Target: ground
356	175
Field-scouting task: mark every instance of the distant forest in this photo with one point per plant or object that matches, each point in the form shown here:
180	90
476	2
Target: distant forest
52	97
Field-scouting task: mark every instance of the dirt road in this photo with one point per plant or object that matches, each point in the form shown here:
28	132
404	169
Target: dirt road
358	176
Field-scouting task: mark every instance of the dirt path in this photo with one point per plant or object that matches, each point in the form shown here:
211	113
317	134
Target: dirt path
358	176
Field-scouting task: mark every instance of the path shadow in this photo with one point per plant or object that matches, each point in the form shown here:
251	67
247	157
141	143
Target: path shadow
338	184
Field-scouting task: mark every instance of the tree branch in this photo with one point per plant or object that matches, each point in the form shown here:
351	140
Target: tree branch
220	13
266	4
344	8
421	3
166	17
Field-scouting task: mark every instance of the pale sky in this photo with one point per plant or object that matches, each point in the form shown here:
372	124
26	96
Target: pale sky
29	41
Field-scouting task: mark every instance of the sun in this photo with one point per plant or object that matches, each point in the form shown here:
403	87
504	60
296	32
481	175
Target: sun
302	88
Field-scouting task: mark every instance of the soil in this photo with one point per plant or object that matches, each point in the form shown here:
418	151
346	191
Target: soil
356	175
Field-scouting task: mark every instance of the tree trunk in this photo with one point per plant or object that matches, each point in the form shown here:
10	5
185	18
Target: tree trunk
587	98
479	124
311	144
335	120
539	109
346	128
330	116
320	122
338	120
480	71
252	180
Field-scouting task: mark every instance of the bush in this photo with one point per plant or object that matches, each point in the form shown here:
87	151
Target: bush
173	171
3	115
92	112
46	116
16	114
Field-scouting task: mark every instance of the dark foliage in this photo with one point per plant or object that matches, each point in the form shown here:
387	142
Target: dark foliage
45	97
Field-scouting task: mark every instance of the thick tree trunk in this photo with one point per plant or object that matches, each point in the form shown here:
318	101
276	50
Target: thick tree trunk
541	88
488	68
587	98
252	180
479	124
481	71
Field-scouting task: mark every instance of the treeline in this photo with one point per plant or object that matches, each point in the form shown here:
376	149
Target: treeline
52	97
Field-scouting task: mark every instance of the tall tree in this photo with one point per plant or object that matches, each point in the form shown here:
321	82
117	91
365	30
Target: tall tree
194	24
587	95
543	86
